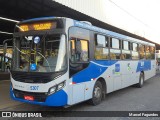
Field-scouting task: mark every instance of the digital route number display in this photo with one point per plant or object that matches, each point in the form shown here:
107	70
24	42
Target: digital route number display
37	26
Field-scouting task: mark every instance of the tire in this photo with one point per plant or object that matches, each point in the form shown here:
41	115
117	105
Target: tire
141	81
97	94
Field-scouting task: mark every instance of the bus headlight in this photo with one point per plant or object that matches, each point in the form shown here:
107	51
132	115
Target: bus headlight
56	87
61	85
52	90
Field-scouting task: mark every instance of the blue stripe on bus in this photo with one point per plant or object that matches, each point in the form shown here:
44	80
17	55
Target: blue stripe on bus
94	70
57	99
144	65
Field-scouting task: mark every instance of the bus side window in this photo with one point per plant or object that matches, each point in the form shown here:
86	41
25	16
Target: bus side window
84	56
152	51
135	54
79	50
142	51
101	50
148	53
115	52
126	53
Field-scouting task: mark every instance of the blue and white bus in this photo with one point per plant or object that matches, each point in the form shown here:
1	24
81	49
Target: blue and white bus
59	61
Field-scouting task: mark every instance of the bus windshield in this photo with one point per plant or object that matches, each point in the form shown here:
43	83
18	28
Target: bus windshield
39	53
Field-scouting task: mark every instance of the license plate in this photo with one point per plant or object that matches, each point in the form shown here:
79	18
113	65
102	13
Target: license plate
27	97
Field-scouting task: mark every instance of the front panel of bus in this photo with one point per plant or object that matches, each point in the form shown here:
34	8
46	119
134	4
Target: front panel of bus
39	67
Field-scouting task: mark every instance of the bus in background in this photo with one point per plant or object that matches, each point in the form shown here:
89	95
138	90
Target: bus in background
59	61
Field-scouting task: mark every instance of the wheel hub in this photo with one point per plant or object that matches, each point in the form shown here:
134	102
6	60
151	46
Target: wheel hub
141	80
97	92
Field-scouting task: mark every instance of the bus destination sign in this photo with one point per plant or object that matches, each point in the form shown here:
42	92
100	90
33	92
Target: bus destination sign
37	26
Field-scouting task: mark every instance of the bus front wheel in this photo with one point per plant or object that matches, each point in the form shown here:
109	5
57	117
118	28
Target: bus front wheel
97	94
141	80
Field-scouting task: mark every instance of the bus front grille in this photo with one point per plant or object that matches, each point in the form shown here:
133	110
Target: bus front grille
39	97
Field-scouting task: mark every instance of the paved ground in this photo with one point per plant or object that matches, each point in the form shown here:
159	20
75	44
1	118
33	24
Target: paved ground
5	101
128	99
4	75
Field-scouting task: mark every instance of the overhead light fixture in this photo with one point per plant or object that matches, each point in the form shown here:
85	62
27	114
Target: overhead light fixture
11	20
6	33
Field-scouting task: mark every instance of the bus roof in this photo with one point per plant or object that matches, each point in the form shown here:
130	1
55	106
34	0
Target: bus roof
38	19
94	28
109	33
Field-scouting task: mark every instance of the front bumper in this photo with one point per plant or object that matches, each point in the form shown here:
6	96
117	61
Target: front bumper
57	99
